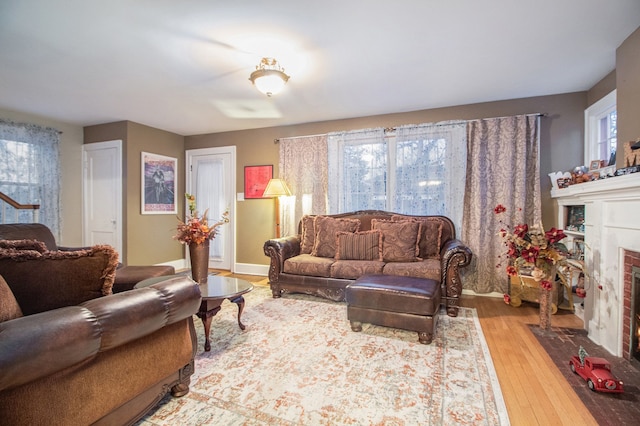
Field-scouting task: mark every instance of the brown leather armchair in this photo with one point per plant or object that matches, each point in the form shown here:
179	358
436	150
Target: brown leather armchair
126	276
71	355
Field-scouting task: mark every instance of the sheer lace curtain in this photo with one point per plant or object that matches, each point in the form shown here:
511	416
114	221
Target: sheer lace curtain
430	169
303	166
30	171
502	168
358	170
415	169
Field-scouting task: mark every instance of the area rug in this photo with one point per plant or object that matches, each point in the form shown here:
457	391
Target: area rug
298	362
608	409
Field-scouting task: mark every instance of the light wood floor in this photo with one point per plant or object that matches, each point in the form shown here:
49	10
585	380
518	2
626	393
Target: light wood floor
534	390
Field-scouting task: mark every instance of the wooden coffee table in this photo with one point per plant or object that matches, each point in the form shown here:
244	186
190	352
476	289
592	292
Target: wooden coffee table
214	292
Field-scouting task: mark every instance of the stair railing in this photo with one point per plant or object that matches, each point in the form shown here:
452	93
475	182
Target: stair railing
8	202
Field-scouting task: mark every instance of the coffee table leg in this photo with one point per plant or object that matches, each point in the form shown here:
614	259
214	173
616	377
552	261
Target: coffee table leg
240	302
208	309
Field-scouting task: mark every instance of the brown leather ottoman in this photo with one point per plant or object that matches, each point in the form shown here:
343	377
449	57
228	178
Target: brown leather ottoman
393	301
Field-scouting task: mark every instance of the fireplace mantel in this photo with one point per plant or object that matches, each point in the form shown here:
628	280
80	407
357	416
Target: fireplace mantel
612	225
626	185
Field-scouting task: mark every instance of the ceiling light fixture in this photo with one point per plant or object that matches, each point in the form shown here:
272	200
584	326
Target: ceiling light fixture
269	77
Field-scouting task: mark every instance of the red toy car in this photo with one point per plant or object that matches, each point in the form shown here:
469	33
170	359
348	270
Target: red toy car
597	372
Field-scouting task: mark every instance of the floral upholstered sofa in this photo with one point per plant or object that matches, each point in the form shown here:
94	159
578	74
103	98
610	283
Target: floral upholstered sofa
332	251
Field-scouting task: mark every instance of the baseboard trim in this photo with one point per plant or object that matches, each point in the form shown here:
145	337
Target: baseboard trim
473	293
251	269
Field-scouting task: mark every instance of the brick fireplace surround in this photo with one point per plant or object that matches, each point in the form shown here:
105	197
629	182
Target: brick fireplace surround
612	237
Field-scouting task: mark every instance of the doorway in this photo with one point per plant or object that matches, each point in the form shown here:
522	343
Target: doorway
211	178
102	194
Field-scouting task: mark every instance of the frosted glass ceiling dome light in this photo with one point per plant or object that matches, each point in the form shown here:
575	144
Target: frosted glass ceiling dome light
269	77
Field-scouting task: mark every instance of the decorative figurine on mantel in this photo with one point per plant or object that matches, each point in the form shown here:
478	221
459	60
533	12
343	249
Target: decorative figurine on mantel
596	371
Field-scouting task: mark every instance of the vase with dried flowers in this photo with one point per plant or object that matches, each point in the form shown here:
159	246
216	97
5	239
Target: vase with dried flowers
537	253
196	232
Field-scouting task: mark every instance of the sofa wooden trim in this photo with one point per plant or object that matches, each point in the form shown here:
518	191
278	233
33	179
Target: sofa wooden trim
453	256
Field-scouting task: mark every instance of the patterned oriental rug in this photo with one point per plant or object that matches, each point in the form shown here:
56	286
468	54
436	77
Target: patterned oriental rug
298	362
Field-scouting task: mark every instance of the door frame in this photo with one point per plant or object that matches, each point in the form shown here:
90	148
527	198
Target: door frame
117	187
231	150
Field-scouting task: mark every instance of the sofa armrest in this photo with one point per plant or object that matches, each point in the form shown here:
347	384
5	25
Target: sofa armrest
279	250
454	255
39	345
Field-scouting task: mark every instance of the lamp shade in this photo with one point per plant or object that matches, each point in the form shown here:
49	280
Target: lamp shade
276	188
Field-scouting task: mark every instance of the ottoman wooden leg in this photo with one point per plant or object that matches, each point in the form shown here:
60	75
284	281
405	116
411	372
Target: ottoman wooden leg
356	326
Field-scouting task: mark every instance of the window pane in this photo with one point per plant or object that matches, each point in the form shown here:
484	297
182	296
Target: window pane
613	131
420	176
607	132
17	179
603	140
365	172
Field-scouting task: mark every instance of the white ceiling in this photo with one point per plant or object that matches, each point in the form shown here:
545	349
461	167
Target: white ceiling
183	65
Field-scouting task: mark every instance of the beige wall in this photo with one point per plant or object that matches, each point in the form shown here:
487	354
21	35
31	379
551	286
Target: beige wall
147	239
71	170
602	88
628	95
561	149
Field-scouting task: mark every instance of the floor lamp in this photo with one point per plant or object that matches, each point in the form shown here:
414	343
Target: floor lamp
277	188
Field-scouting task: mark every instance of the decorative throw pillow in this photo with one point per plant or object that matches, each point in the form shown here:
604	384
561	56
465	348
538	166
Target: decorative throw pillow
327	229
364	245
431	235
399	240
54	279
9	308
36	245
308	234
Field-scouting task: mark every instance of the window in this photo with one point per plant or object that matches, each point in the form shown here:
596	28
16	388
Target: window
601	121
415	170
30	172
420	175
17	181
364	176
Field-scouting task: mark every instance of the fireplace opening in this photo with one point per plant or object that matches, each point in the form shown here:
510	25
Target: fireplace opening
634	347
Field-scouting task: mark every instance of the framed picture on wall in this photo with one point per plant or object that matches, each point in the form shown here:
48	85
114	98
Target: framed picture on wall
256	179
159	184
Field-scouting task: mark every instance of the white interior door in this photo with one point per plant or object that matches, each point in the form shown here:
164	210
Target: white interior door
102	194
211	178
